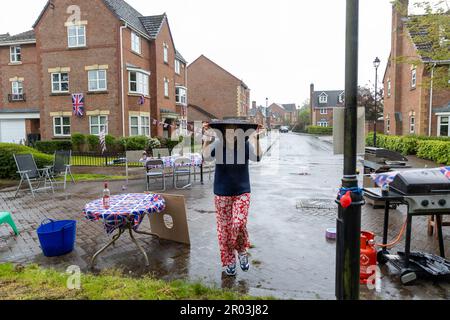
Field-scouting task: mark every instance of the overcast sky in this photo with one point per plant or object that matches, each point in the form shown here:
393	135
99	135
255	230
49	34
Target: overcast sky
278	47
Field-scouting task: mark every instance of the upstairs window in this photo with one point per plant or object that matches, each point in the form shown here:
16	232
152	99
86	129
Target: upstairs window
135	43
15	54
177	67
413	78
97	80
166	87
181	95
341	97
16	91
389	88
76	36
323	111
323	98
139	83
60	82
166	53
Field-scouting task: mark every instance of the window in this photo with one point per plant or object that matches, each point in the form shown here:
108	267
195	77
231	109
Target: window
388	125
61	126
323	98
181	95
97	80
323	111
139	83
444	126
177	67
98	124
166	87
15	54
76	36
17	90
389	88
413	78
322	123
60	82
166	53
139	126
412	125
341	97
135	43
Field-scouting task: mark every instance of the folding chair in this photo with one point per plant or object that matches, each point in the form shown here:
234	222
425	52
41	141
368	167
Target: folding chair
158	153
61	166
155	170
182	166
29	172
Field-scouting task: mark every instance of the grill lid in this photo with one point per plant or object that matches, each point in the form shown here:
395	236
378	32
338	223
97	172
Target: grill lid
421	182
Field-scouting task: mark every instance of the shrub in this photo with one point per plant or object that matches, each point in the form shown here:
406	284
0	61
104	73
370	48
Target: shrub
49	147
437	151
320	130
134	143
78	141
154	143
8	168
93	142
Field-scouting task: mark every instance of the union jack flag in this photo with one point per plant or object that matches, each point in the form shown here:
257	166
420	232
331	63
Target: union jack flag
446	171
78	104
382	179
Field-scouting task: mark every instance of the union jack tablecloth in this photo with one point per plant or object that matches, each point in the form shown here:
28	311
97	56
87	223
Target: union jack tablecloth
386	178
196	160
124	207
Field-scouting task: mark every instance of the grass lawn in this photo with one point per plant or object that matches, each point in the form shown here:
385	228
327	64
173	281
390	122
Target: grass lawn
34	283
92	177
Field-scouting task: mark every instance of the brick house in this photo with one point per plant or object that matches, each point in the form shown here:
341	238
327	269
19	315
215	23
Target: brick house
322	104
214	93
406	101
125	64
257	114
291	115
278	115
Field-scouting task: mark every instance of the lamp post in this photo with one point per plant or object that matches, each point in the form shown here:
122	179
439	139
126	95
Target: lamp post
376	64
268	114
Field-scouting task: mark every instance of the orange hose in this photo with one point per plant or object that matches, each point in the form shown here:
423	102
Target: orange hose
397	240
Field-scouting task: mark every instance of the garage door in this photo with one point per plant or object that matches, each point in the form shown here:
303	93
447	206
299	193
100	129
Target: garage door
12	131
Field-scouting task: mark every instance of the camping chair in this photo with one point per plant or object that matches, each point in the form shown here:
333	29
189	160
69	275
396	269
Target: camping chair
155	170
181	166
28	171
61	166
158	153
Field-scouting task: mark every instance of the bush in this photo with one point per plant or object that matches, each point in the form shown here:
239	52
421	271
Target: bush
78	141
320	130
8	168
134	143
50	147
436	149
93	142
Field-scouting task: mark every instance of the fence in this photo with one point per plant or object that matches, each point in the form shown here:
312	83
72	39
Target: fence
94	159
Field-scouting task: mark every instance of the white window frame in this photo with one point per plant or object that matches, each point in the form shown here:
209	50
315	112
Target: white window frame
389	88
413	77
323	98
99	125
17	87
141	82
78	36
388	125
181	98
166	88
15	54
412	124
323	124
166	53
446	115
341	98
142	126
61	126
323	111
98	80
135	42
177	66
60	82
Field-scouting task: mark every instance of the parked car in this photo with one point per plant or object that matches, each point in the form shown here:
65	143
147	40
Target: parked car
284	129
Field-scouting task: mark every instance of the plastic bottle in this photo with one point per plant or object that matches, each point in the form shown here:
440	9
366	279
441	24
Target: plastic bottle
106	197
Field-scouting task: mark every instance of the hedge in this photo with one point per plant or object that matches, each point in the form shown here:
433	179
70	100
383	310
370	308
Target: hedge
320	130
8	168
50	147
436	149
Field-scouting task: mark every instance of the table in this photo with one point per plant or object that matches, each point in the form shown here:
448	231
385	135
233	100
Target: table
196	161
125	214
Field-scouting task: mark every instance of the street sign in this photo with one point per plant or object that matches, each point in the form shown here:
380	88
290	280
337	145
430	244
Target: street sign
338	130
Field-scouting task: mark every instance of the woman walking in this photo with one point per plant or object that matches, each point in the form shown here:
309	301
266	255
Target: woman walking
233	150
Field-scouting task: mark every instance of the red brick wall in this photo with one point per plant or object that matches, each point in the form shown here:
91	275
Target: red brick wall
328	117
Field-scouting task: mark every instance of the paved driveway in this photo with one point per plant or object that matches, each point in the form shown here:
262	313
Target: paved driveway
291	258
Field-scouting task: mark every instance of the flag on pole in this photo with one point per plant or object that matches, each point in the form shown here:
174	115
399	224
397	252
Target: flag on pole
102	137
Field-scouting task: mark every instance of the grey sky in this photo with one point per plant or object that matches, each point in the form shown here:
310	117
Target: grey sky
277	47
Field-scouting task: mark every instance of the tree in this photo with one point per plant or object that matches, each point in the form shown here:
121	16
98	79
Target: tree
304	116
366	99
431	34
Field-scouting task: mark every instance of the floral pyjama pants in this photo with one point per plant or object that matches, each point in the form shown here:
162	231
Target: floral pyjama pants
232	216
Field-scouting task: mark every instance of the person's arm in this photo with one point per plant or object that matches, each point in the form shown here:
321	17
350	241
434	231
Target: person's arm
255	145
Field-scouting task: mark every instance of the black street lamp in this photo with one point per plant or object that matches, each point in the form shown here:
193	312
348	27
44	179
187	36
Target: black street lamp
376	64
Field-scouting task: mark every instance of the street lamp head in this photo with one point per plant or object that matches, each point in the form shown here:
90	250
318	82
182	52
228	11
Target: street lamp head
376	63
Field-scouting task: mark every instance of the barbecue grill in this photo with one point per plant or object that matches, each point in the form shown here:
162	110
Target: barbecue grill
425	192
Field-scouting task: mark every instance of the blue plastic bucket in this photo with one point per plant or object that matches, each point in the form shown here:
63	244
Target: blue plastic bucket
57	238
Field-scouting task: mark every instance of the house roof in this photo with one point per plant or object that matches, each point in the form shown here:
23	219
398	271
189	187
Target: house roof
153	24
179	57
28	36
332	101
290	107
445	108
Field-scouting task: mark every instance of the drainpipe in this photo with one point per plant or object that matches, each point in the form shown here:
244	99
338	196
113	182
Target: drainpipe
431	101
122	80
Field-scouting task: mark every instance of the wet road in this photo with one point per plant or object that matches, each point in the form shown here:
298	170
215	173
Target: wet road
293	192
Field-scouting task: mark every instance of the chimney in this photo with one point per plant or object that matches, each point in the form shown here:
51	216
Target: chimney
253	104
